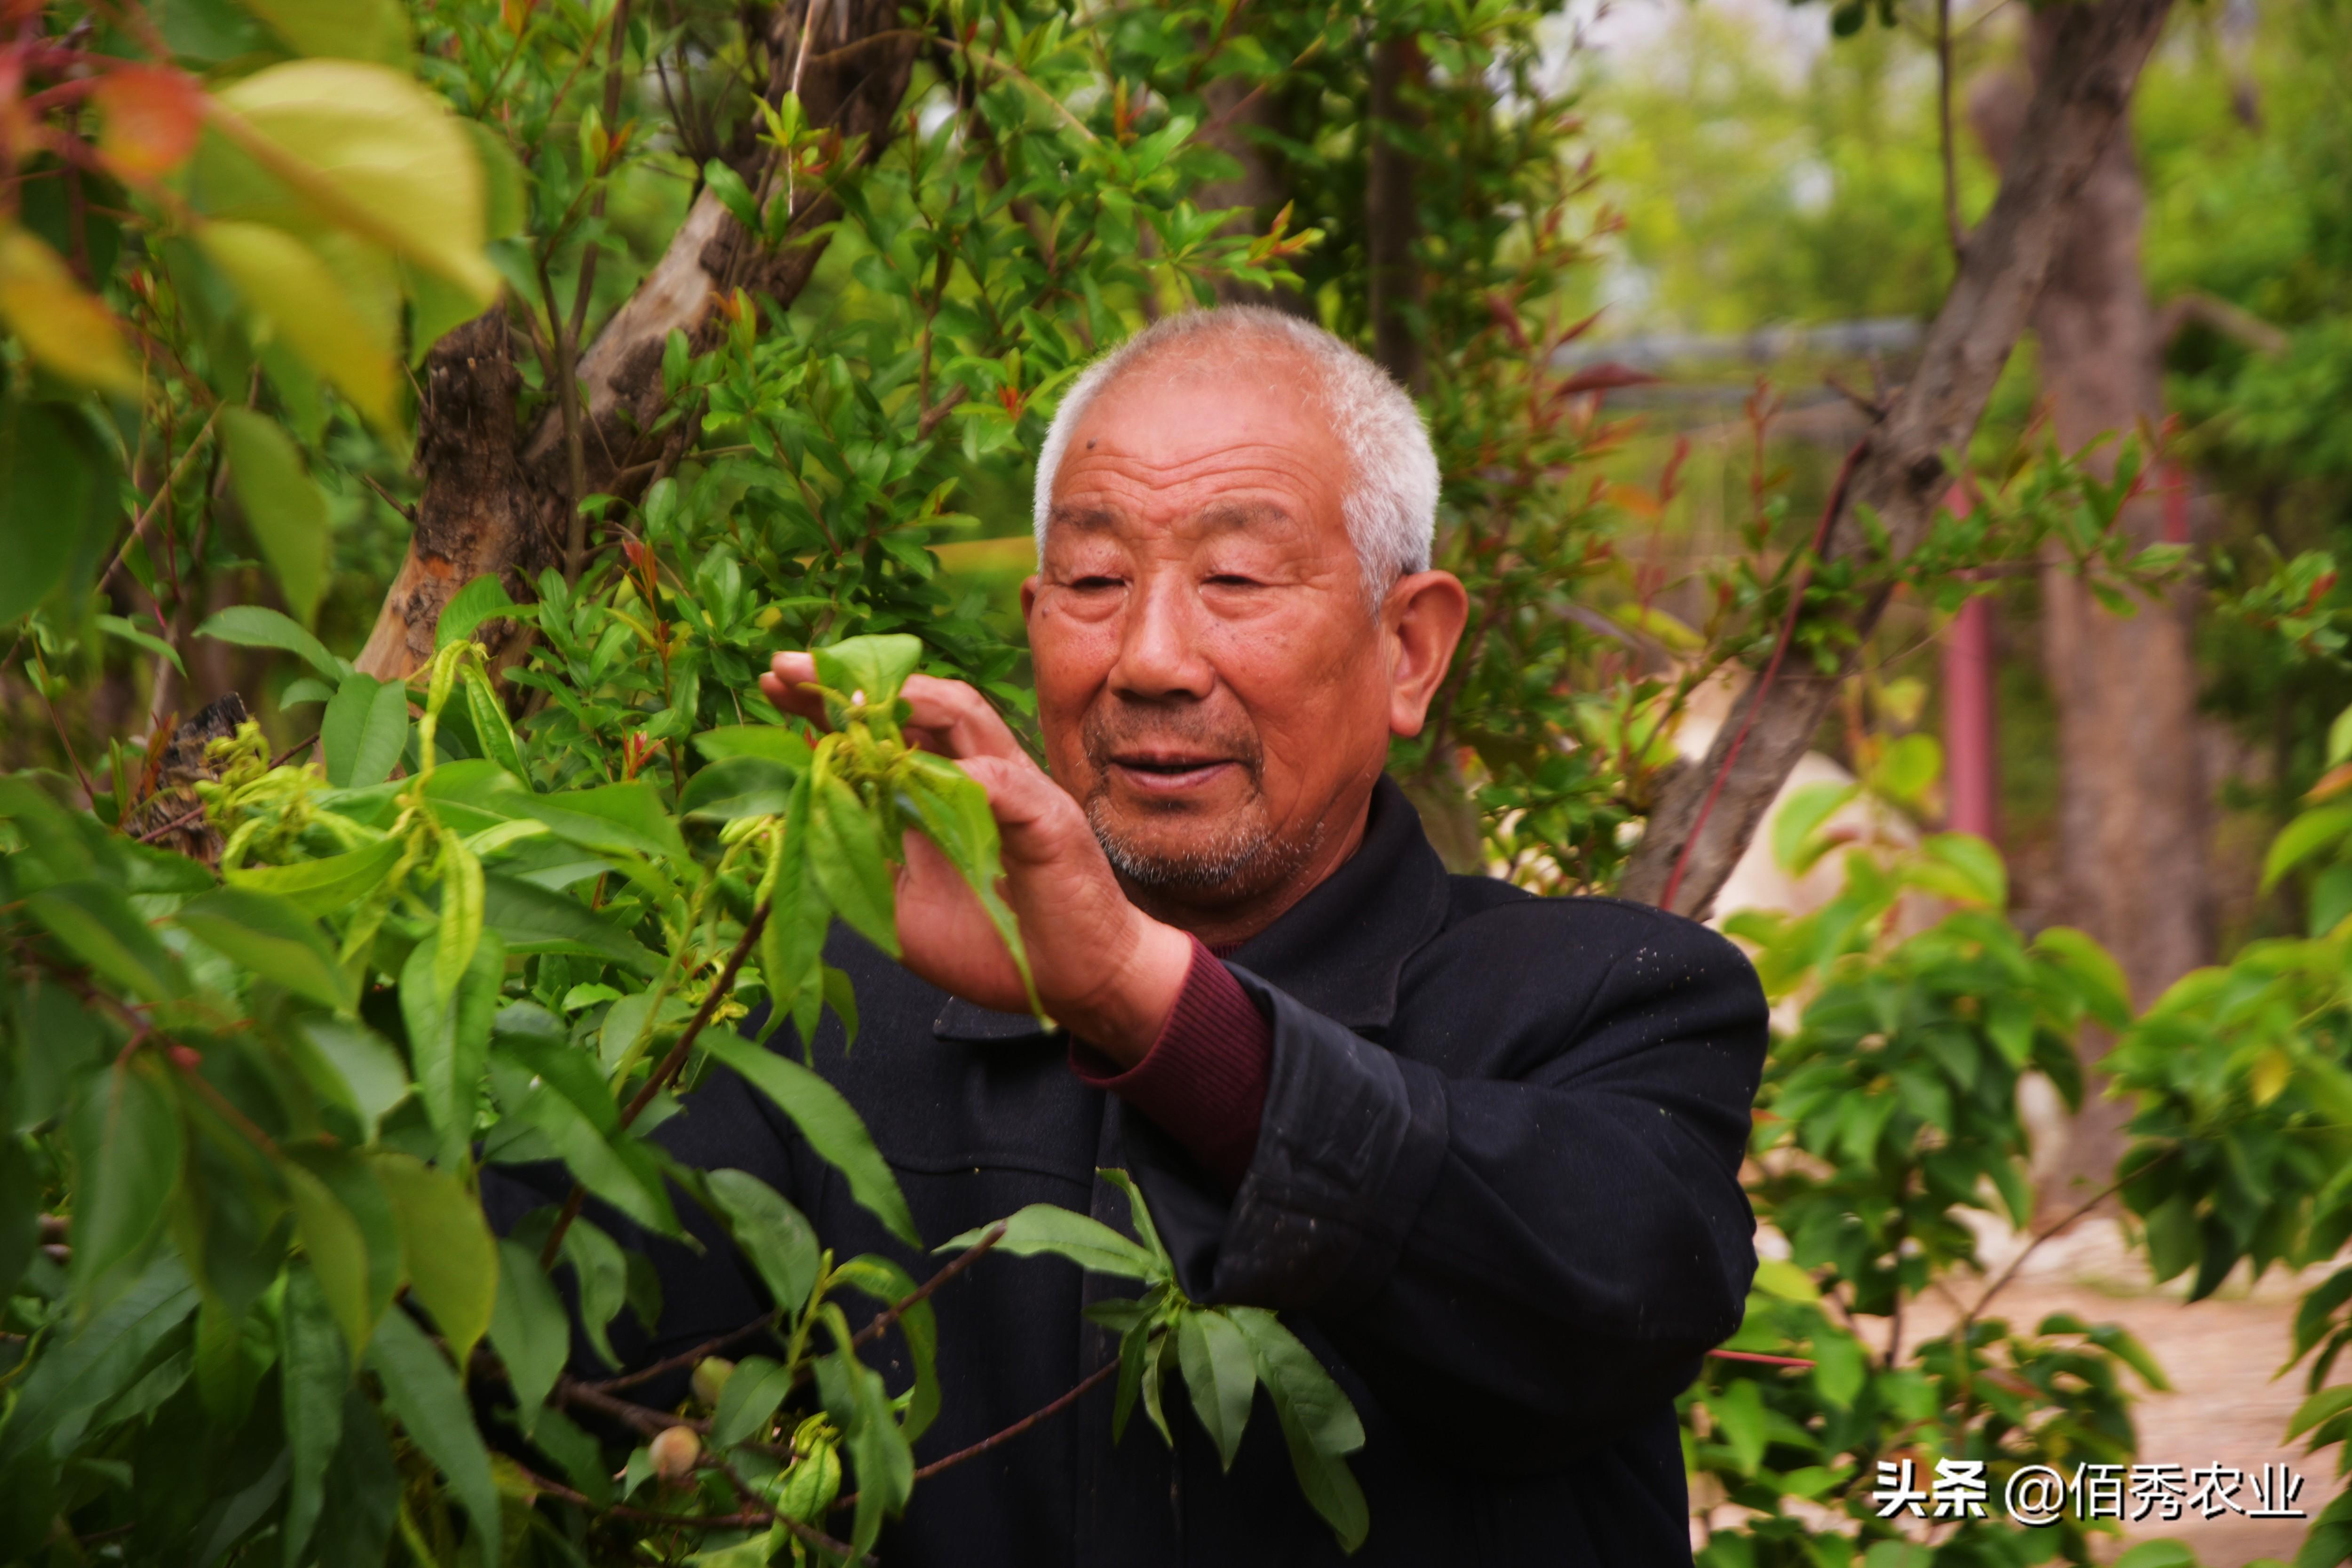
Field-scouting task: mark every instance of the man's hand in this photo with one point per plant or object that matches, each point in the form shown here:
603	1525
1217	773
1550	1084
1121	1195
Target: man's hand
1104	969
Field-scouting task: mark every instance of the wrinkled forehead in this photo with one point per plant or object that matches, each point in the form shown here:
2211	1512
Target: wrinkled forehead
1230	433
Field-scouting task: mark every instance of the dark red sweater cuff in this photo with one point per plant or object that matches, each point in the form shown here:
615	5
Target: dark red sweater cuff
1203	1080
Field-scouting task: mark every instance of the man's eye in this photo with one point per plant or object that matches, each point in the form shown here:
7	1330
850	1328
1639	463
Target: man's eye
1097	584
1231	579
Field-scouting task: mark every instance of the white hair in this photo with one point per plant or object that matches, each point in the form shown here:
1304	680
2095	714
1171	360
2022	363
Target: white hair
1392	499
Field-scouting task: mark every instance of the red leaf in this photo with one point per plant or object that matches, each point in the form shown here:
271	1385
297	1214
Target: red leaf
1601	378
152	114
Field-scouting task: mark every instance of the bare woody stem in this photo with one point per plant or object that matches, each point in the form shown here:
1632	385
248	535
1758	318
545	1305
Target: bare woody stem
751	1519
1087	1386
866	1335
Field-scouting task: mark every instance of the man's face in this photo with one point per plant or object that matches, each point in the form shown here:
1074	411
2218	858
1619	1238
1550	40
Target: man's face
1212	684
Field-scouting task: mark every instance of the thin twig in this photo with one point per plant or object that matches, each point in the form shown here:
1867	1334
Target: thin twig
1092	1380
684	1359
890	1314
662	1074
2018	1262
1797	589
751	1519
170	482
1952	228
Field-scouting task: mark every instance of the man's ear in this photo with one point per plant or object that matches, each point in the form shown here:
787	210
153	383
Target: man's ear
1028	594
1422	617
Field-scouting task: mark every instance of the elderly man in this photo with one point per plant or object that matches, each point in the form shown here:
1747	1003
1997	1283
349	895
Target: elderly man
1483	1148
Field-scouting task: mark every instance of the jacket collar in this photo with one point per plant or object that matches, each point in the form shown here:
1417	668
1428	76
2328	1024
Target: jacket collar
1339	950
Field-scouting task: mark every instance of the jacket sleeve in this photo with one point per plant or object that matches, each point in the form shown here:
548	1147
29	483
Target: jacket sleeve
1518	1266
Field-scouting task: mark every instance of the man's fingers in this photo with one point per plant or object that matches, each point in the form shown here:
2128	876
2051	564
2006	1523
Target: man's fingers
959	716
946	716
786	685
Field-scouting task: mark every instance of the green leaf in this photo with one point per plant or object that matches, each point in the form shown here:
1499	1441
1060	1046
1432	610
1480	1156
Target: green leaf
2321	1406
127	1145
314	1372
875	667
1740	1419
749	1401
371	151
1138	1215
1323	1412
445	1246
1962	868
1318	1422
887	1284
459	931
282	504
423	1392
732	193
273	938
774	1235
847	855
367	1075
364	731
601	1272
528	1328
65	1385
327	887
252	625
350	30
739	786
1219	1373
49	492
2157	1554
531	919
98	925
129	631
483	599
490	726
448	1038
791	944
768	742
20	1211
952	809
834	1132
2305	836
608	1162
1064	1233
622	818
338	1252
1797	839
2098	979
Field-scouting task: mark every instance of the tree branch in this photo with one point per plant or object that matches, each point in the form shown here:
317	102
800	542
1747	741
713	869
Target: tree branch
2078	104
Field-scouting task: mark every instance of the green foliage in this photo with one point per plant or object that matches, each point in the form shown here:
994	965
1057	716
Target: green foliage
1889	1108
1223	1354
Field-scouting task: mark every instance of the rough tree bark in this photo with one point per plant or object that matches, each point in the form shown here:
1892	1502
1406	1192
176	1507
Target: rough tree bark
499	499
1706	814
2132	808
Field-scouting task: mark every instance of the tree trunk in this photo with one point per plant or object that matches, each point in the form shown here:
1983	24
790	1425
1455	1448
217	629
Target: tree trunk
1705	815
2132	827
498	501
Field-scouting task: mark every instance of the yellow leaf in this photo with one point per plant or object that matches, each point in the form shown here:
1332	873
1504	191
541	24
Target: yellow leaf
368	149
2273	1069
64	326
351	30
291	285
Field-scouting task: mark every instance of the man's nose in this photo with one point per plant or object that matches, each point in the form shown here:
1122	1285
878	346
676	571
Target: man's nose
1159	651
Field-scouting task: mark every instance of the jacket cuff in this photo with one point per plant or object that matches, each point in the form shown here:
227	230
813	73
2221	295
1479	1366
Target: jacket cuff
1351	1142
1204	1078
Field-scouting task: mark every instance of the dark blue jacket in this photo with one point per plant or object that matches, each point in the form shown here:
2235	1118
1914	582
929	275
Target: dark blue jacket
1497	1188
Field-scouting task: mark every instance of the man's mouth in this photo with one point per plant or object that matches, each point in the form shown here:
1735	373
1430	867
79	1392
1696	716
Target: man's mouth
1168	772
